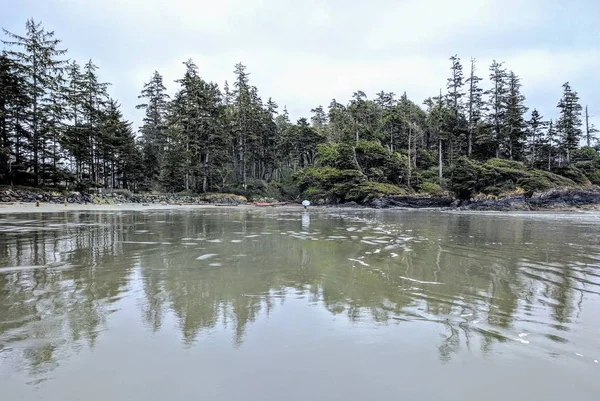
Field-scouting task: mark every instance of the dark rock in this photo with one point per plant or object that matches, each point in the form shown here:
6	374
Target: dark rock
349	204
565	198
415	201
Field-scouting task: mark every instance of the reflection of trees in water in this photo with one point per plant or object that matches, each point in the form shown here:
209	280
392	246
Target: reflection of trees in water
487	268
66	295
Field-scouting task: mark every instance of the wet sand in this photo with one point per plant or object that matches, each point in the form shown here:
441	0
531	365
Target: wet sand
21	207
6	208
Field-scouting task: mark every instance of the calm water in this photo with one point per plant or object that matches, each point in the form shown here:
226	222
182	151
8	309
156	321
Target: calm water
245	304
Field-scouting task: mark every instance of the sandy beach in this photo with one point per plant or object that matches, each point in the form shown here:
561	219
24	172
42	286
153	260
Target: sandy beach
74	207
22	207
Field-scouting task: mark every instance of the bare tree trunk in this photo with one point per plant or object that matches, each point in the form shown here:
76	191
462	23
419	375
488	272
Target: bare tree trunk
414	153
205	178
440	163
587	127
471	88
533	149
409	155
187	166
35	127
244	162
510	144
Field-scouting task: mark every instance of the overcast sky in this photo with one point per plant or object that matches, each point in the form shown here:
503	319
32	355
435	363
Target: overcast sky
304	53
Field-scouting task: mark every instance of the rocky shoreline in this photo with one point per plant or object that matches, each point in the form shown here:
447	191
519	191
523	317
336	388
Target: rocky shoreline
31	196
557	199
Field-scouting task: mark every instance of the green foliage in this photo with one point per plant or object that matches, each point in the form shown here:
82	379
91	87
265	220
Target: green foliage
539	180
425	159
591	169
59	127
379	164
432	188
371	190
573	173
222	197
586	152
328	154
569	121
336	186
464	177
346	157
497	176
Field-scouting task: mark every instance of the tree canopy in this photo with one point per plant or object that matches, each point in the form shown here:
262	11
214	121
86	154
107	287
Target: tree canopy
60	127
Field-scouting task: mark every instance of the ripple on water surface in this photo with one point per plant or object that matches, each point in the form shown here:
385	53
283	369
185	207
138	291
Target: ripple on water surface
360	293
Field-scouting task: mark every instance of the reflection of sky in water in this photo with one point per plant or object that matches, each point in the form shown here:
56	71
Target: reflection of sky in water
305	221
90	298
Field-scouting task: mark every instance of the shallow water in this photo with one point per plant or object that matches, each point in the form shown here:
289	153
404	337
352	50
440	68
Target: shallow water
255	304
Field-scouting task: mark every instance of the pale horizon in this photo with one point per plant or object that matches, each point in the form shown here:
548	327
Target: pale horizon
304	55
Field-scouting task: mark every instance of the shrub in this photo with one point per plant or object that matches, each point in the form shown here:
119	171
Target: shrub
497	177
591	170
217	197
464	177
426	160
328	154
431	188
586	153
572	173
335	186
539	180
371	190
346	157
431	174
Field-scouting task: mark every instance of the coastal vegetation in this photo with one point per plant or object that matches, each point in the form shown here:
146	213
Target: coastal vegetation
61	129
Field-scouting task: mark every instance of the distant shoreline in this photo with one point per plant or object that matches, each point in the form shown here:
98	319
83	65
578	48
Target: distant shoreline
18	207
493	206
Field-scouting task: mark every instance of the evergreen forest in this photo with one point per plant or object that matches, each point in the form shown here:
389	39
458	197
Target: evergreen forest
60	128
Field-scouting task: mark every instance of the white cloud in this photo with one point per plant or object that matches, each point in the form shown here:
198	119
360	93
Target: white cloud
304	53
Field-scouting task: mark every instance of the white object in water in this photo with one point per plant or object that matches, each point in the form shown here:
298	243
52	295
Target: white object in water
305	203
305	221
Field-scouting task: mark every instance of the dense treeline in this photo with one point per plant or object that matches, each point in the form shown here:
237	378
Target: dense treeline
59	126
57	123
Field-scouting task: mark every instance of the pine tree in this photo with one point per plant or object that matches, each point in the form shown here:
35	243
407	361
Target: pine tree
153	130
13	102
39	64
497	97
454	97
74	140
269	141
514	124
94	98
340	122
357	109
55	135
535	125
115	144
319	118
590	130
454	101
552	143
439	124
385	102
474	106
569	120
241	120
